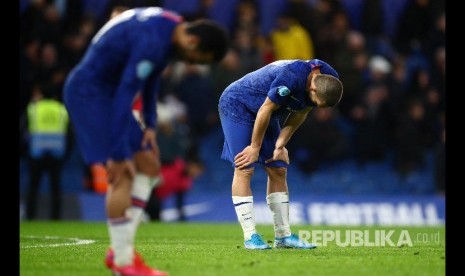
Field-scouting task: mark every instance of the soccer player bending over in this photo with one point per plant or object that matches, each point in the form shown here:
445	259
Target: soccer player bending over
249	111
128	55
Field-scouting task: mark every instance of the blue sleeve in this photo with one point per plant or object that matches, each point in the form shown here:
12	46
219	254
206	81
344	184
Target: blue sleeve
279	94
281	87
132	80
150	100
325	68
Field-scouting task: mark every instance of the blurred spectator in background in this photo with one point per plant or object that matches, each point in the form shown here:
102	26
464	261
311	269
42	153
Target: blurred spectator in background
48	130
51	70
319	141
177	170
416	22
373	27
436	38
195	89
201	12
333	34
41	19
372	115
29	67
75	41
305	13
266	48
422	90
227	71
290	40
370	127
31	19
372	23
246	18
246	36
411	138
440	160
250	58
351	59
438	75
398	84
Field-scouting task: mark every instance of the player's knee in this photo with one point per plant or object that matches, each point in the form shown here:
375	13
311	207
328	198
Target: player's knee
248	172
147	163
277	173
149	170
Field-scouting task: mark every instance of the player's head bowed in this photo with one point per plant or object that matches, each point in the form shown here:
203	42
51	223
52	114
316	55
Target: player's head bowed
327	89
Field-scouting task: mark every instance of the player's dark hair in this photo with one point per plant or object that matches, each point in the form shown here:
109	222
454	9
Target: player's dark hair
212	37
328	88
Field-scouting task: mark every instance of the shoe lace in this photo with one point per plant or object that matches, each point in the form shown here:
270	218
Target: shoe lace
296	238
257	239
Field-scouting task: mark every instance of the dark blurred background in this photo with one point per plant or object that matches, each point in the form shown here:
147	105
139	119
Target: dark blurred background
385	138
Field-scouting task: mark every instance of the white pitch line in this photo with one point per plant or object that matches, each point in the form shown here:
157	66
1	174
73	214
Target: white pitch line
75	241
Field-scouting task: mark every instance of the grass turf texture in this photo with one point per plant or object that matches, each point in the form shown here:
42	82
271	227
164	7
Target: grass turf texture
46	248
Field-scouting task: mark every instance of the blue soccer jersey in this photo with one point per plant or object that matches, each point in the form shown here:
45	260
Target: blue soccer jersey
284	83
126	56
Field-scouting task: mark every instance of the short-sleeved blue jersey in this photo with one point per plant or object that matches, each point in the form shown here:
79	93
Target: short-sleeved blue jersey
284	82
126	56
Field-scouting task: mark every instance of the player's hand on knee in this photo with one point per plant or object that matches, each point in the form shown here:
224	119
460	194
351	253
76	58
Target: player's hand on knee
279	154
150	140
119	169
246	157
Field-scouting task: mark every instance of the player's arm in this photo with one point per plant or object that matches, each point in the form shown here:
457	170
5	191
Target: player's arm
149	97
131	81
250	154
292	123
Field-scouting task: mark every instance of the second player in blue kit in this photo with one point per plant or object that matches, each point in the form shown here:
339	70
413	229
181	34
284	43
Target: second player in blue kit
127	57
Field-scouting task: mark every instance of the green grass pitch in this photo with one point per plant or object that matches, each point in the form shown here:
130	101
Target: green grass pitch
194	249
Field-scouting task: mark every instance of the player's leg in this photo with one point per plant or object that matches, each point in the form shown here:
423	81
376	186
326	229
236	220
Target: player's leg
243	201
277	198
120	224
93	135
278	201
147	173
35	176
122	246
147	178
147	170
236	138
277	194
55	168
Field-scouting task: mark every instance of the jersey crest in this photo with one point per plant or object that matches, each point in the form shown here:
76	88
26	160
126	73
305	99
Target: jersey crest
144	68
283	91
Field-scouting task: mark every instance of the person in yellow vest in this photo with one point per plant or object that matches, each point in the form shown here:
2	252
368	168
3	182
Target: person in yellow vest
291	40
48	126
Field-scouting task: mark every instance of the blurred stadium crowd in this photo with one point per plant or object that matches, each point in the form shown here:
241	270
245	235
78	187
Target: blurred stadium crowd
390	55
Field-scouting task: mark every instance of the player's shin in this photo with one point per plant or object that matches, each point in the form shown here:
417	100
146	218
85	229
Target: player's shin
278	203
121	241
245	214
142	187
